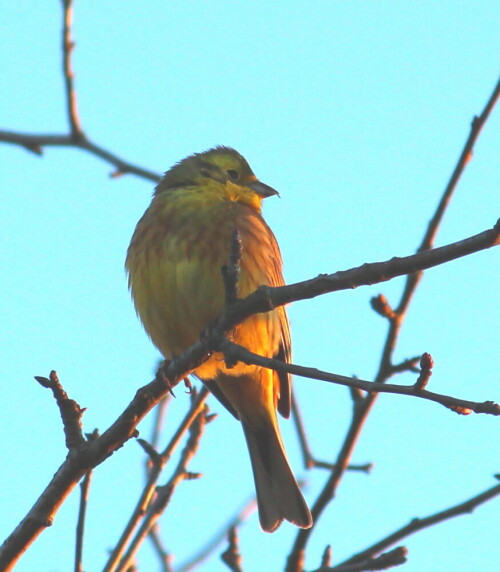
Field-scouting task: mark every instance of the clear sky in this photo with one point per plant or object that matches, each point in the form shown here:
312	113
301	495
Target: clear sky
356	113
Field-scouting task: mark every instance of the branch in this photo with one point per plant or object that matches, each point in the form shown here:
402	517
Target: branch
418	524
80	459
266	298
466	155
231	556
67	49
395	557
80	528
235	353
71	412
164	557
35	143
76	136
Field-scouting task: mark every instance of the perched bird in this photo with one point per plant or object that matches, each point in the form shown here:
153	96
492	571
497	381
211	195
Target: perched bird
174	264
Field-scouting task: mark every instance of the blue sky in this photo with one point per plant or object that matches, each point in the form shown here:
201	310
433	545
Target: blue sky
356	113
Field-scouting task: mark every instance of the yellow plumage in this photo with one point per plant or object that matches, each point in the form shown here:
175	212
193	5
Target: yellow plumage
174	263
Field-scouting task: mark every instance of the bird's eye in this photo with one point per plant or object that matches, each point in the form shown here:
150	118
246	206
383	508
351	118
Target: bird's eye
234	175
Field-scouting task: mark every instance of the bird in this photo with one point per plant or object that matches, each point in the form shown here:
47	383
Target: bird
174	266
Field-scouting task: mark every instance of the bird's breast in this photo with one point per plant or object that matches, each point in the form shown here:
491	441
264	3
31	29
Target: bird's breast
174	265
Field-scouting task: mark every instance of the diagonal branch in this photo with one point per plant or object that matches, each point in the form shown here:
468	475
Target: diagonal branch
265	298
35	144
418	524
477	125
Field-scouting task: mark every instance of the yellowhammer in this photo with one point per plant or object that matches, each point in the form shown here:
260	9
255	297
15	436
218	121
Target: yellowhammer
174	263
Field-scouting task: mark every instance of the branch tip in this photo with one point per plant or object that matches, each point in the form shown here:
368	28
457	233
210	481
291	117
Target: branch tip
151	452
381	305
426	365
231	556
326	558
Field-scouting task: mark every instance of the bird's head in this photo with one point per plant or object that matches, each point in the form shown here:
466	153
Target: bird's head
219	169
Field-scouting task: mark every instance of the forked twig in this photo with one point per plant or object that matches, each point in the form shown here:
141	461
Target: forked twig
76	137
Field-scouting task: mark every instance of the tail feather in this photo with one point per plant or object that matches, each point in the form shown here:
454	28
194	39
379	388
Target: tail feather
278	494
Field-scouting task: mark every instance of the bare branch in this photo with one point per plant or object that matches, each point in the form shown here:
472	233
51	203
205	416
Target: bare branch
265	298
80	527
385	561
76	137
67	49
36	142
307	455
309	460
231	556
418	524
477	125
163	555
236	353
71	412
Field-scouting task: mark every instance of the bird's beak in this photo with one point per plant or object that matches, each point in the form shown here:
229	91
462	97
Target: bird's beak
262	189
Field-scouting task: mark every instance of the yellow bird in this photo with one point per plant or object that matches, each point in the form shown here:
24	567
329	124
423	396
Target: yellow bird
174	264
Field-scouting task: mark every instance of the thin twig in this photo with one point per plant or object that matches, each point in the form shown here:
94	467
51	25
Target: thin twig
80	527
68	46
387	560
156	430
231	556
477	125
418	524
76	137
36	142
307	455
71	412
309	460
237	353
164	557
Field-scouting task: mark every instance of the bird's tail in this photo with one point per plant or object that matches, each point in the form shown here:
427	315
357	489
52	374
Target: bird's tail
278	494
